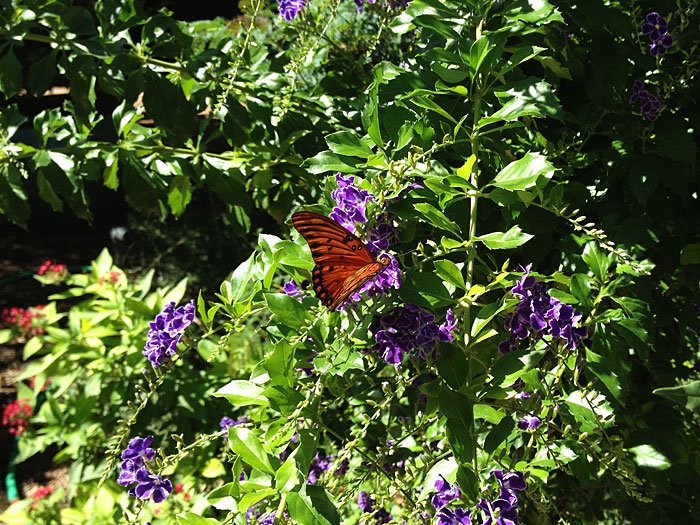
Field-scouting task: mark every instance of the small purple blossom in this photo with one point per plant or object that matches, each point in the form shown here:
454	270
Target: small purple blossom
650	105
133	470
383	235
457	516
409	330
289	9
656	28
351	202
539	315
446	493
504	509
365	503
166	331
292	289
529	423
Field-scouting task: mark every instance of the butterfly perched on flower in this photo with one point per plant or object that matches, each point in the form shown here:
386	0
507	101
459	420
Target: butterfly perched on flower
343	262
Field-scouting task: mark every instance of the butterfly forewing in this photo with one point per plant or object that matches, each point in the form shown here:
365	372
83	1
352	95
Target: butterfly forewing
343	262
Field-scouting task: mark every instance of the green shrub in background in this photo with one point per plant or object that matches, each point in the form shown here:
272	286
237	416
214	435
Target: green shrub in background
491	135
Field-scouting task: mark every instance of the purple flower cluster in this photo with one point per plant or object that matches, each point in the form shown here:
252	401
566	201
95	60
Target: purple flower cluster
656	28
539	315
447	515
409	330
166	331
289	9
529	423
133	470
227	422
322	463
366	503
292	289
351	207
650	104
504	509
262	519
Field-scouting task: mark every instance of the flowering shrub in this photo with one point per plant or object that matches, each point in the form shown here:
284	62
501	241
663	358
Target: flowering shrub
527	354
28	321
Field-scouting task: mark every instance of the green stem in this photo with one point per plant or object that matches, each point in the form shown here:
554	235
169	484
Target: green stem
280	509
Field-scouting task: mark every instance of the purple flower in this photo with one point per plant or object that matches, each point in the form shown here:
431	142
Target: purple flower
539	315
351	202
292	289
133	470
409	330
448	327
650	105
499	511
383	235
457	516
150	484
655	26
445	494
289	9
529	422
364	502
320	464
166	331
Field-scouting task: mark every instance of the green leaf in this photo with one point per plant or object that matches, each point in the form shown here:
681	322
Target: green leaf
287	475
239	284
41	73
436	217
328	161
597	261
247	445
242	393
284	399
179	195
457	408
347	143
5	336
10	74
468	481
430	104
370	113
581	289
450	272
424	289
166	104
503	241
452	365
288	310
13	199
530	97
47	192
690	253
648	456
190	518
687	395
498	434
312	505
485	315
523	173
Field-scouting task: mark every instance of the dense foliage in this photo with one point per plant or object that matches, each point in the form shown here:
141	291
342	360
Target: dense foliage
528	355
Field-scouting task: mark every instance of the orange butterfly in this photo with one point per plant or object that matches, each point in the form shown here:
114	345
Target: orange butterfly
343	262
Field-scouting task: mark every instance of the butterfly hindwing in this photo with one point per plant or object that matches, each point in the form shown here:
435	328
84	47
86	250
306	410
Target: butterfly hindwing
343	262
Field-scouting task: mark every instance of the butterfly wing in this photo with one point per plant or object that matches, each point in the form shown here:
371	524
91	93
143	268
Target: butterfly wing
343	262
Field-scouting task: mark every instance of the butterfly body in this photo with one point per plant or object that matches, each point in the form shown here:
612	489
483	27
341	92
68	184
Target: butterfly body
343	262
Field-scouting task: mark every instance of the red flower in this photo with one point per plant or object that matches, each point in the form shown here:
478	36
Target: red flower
44	267
14	416
178	487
